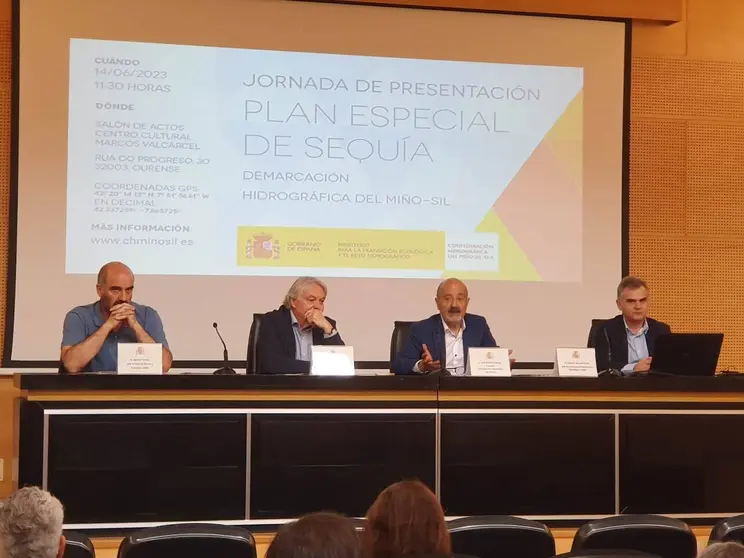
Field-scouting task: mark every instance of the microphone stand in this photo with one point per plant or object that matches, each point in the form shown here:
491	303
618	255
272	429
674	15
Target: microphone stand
226	368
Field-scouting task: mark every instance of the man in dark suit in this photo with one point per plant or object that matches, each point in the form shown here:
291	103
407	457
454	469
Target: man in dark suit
632	335
288	333
442	340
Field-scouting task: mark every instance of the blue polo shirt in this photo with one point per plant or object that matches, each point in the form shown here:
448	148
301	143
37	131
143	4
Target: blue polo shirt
84	321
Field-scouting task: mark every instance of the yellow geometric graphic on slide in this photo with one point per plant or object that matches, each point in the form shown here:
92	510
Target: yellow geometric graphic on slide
565	138
544	201
513	263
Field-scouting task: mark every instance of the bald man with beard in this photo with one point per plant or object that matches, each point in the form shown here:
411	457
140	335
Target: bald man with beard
441	342
91	333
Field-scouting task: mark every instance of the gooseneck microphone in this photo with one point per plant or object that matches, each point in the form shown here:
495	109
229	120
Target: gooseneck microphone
609	371
226	368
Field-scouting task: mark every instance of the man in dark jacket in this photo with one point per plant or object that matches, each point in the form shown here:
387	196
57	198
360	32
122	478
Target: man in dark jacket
441	342
632	335
288	333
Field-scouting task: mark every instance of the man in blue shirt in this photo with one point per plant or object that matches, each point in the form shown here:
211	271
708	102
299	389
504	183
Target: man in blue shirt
91	333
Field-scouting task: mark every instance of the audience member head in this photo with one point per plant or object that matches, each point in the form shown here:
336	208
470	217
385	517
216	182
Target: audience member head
306	294
318	535
632	300
723	550
31	525
452	301
115	284
405	520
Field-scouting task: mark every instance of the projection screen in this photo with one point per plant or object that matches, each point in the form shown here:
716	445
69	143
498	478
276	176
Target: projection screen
222	148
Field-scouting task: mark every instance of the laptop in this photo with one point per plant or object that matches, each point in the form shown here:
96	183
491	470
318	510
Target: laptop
686	354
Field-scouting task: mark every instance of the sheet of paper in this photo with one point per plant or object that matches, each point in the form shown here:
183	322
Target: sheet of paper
140	358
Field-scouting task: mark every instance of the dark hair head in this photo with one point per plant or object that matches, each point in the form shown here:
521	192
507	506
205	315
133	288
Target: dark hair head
630	283
405	520
317	535
723	550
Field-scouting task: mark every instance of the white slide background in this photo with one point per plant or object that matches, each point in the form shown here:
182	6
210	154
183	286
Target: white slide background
164	183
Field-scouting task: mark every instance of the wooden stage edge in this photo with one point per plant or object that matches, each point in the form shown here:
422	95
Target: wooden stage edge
433	396
230	395
108	547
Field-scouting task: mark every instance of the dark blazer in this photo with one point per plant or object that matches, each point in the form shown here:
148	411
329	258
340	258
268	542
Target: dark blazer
275	347
615	329
431	332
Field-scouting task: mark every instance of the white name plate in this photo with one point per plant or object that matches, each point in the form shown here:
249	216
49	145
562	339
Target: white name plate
139	358
490	361
576	363
332	360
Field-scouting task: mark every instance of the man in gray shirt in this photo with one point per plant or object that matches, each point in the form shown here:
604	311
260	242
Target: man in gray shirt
91	333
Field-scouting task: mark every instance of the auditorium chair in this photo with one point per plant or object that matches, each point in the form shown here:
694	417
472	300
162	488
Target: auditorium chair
494	536
399	337
729	529
189	540
78	545
251	361
654	534
593	331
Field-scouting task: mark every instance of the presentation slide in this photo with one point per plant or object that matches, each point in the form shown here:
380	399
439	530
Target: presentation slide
223	148
196	160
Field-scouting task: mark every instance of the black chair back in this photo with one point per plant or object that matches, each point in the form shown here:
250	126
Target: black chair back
251	361
729	529
497	536
399	337
654	534
78	545
593	331
189	540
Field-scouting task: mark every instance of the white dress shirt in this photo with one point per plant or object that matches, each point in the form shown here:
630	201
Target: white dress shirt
454	350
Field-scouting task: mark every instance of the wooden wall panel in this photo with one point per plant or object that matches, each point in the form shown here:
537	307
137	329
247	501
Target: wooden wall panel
715	196
669	40
687	89
715	29
697	284
660	180
6	59
7	395
660	11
